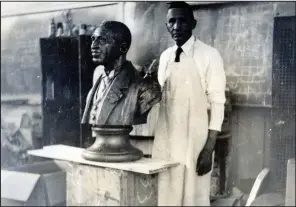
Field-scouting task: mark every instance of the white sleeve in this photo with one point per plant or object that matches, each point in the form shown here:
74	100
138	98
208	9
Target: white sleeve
215	84
161	74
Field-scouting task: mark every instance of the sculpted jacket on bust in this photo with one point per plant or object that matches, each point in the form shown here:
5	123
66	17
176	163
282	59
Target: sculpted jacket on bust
128	100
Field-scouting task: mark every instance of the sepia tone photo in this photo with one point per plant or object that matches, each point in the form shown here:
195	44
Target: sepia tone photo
148	103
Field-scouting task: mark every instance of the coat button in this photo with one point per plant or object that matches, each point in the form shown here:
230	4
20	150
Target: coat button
96	107
93	117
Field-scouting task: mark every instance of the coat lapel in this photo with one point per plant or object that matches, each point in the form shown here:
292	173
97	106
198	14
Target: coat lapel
89	101
117	91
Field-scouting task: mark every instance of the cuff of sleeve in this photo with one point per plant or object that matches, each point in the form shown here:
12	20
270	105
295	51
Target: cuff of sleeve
217	116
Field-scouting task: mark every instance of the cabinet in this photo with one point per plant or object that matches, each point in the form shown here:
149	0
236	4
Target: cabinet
67	71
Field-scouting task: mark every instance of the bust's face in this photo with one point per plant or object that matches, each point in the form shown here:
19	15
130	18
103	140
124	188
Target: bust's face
104	48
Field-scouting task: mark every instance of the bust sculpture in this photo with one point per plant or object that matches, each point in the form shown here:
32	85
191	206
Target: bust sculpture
120	96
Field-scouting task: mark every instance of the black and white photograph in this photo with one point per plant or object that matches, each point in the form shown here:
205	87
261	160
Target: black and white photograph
148	103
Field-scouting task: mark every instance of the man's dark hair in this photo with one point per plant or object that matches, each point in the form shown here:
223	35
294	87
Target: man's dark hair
181	5
121	32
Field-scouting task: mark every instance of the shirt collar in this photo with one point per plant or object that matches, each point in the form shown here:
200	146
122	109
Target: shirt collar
113	73
187	46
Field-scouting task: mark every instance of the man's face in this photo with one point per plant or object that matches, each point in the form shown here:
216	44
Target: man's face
104	48
180	25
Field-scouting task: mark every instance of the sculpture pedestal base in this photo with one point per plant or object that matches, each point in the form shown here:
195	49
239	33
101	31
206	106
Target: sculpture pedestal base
107	184
131	155
112	145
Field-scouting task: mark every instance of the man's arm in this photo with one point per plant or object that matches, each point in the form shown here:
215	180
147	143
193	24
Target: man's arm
215	84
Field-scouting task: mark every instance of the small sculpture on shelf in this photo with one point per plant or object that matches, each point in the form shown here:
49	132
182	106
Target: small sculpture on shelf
68	23
66	28
83	29
91	29
75	30
52	28
60	29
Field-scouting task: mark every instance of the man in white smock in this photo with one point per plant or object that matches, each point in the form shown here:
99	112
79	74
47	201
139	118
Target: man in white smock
192	78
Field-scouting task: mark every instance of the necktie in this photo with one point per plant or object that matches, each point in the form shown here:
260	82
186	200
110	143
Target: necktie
178	53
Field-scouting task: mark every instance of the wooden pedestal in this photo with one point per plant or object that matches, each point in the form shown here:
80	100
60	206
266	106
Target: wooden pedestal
89	185
107	184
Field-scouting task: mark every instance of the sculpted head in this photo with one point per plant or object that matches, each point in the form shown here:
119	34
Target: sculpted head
110	40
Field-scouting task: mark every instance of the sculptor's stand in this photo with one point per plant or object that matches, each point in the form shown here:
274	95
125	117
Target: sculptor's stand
104	184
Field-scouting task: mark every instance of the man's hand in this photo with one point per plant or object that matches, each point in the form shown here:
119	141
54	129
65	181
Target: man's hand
204	161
